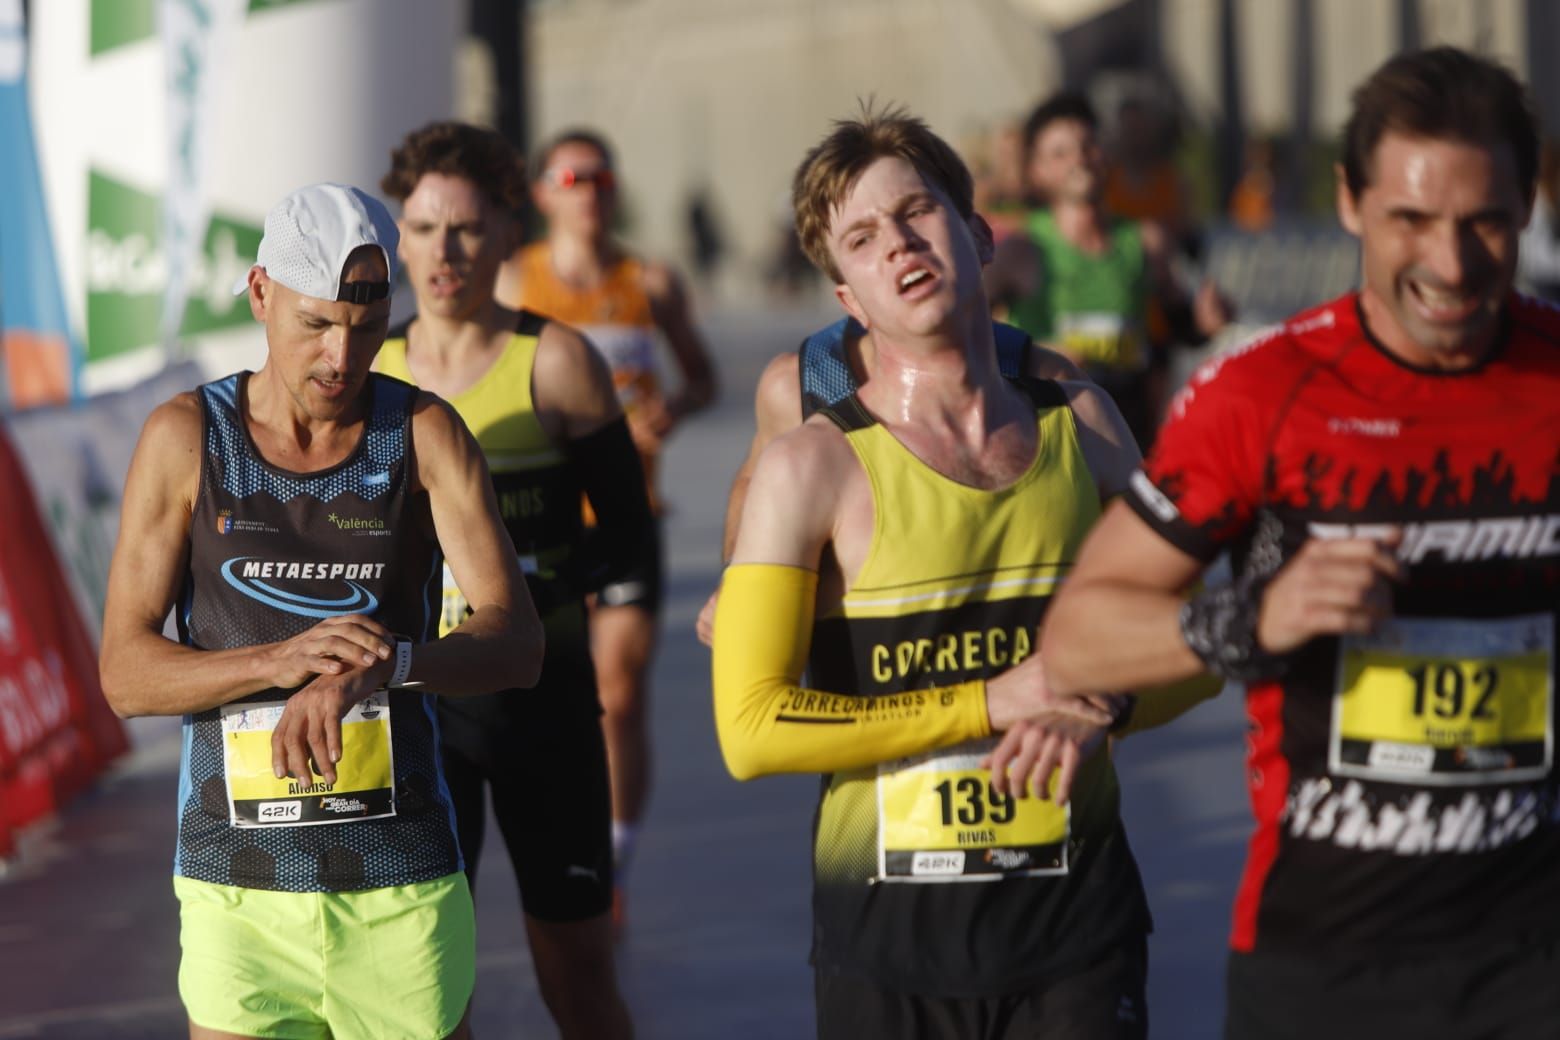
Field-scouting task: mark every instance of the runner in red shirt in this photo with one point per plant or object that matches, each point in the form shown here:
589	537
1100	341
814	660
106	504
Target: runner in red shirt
1385	471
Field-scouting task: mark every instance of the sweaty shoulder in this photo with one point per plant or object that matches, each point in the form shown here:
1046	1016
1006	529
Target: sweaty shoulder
794	496
169	450
809	453
175	427
570	378
778	400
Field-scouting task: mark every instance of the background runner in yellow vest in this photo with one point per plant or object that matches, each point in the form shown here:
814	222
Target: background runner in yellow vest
541	404
579	274
1084	282
909	583
301	515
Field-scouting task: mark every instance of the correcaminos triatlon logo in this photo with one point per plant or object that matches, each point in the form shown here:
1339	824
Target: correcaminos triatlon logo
252	577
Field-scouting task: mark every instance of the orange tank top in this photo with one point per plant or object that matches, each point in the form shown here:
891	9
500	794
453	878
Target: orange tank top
615	316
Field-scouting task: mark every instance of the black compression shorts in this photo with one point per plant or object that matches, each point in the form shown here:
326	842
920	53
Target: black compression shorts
545	765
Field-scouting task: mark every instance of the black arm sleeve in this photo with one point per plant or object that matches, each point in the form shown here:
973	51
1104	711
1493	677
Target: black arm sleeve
624	536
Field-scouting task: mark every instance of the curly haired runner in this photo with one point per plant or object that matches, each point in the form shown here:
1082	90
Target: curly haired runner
541	403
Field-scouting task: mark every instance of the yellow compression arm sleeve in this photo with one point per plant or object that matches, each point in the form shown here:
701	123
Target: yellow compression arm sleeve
768	723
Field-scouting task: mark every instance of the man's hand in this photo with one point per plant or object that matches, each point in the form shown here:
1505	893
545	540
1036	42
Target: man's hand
650	422
310	726
331	647
1045	732
1331	587
705	626
1021	694
1023	761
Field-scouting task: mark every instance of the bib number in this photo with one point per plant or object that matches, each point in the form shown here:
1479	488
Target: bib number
364	787
1446	702
940	820
1101	339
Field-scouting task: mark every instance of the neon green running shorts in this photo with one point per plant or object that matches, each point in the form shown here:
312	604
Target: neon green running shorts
382	962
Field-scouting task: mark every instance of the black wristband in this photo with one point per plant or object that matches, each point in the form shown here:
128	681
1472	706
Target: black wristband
1123	718
1220	626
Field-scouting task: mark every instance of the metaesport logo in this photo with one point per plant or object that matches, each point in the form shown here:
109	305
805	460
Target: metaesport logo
253	578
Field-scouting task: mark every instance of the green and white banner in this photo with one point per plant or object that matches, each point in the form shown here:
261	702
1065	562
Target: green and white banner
167	129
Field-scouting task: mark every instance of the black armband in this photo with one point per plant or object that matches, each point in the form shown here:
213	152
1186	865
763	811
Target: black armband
613	478
1220	626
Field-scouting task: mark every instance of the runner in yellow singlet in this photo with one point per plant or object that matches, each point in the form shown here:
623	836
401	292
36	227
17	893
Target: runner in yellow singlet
946	504
579	275
540	402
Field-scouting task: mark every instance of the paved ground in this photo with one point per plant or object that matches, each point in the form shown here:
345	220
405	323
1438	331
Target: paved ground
719	910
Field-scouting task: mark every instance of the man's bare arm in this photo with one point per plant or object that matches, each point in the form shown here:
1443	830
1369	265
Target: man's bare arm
571	385
669	308
1106	441
777	407
142	671
499	645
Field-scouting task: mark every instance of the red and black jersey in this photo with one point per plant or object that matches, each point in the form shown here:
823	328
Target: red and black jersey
1403	782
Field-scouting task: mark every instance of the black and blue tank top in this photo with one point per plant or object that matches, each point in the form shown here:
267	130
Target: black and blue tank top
272	553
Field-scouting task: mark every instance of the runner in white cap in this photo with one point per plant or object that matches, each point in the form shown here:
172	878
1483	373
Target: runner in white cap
298	516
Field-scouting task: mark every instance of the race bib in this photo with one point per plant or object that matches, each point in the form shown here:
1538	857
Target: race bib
1446	702
1111	340
940	820
364	787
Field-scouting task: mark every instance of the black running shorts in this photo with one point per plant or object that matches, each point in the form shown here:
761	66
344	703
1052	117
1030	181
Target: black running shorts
545	765
1104	1001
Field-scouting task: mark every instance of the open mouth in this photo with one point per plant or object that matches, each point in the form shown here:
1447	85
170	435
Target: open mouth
918	276
446	283
329	387
1442	306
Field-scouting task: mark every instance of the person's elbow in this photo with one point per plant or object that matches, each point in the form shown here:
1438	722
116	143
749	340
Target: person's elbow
743	758
117	685
531	644
742	747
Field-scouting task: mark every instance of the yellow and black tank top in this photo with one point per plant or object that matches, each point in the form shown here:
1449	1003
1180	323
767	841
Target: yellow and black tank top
924	879
615	316
538	494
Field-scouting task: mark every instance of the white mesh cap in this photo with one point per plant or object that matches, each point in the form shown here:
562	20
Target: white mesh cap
310	234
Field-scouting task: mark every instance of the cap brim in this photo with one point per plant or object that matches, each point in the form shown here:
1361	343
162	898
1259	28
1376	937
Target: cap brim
241	286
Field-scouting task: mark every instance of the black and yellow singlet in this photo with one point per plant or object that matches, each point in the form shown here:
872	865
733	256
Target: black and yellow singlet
924	879
538	491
